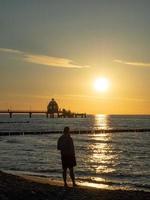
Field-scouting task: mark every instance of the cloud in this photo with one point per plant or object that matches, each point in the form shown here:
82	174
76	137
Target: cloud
10	51
140	64
52	61
45	60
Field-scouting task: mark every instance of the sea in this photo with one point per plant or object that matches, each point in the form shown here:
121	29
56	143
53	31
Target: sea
110	160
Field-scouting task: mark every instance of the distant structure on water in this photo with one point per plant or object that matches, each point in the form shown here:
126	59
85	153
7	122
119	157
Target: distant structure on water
52	107
52	111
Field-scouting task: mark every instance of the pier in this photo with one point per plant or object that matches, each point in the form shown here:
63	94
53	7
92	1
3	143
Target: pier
53	111
59	114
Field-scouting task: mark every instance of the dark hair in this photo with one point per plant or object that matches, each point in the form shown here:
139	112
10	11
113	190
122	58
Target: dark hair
66	130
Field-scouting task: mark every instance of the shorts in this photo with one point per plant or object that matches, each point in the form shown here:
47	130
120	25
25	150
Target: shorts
68	161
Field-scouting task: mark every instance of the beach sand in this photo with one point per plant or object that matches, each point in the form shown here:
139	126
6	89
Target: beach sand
36	188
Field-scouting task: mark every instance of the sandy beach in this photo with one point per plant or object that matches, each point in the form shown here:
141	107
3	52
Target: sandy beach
28	187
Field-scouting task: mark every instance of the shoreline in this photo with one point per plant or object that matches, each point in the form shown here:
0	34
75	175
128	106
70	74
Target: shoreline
24	186
49	179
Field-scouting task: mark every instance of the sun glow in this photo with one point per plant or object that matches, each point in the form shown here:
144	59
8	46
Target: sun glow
101	84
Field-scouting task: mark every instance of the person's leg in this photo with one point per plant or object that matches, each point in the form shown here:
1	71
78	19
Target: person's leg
72	176
65	176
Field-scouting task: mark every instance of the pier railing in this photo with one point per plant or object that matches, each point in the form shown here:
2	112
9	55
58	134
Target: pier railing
60	114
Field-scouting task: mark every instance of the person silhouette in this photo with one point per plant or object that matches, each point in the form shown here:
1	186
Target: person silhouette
66	147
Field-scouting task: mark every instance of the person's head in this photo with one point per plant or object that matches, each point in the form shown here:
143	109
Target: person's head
66	130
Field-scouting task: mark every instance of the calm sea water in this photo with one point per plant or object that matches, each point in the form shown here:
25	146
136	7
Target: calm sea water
111	160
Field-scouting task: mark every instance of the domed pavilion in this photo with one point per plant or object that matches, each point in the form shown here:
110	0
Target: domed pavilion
52	107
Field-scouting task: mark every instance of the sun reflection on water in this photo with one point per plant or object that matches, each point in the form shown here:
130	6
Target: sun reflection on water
102	157
95	185
101	121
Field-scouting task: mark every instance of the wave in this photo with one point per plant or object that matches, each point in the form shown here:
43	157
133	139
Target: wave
113	175
117	184
15	122
13	141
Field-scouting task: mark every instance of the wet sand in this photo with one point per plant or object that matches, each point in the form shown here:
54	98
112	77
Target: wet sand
36	188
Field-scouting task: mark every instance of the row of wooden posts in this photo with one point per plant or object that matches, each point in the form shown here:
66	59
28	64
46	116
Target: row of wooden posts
48	115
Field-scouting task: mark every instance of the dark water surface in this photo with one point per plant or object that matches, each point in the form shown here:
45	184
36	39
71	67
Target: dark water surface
108	159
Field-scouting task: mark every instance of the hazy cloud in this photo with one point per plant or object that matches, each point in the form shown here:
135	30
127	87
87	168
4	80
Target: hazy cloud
11	51
45	60
140	64
52	61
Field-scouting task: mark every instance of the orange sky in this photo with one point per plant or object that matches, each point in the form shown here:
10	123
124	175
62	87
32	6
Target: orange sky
57	50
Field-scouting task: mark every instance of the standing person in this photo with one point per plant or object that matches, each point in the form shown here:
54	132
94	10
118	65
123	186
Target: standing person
66	146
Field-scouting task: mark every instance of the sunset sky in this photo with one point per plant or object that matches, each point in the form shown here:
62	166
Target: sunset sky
58	48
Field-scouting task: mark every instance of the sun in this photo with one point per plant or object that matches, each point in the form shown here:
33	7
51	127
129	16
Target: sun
101	84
